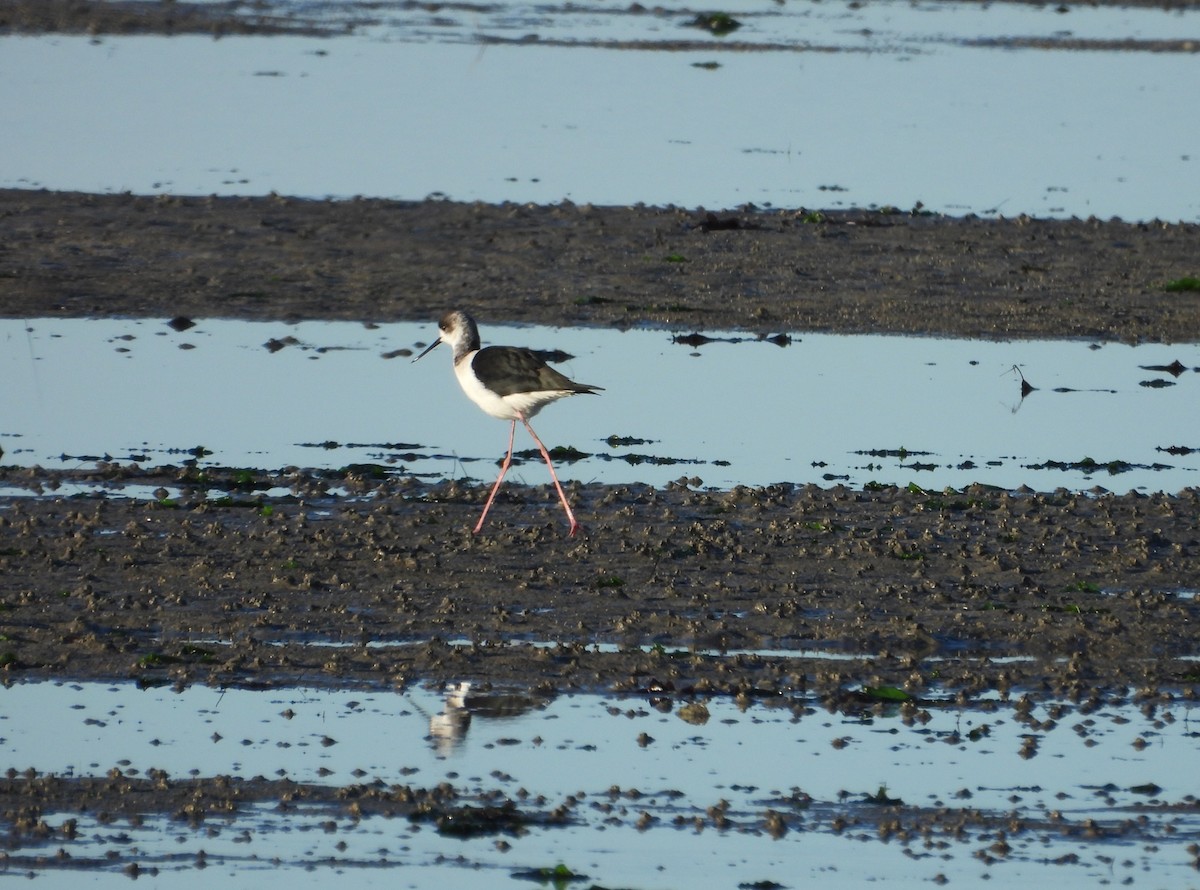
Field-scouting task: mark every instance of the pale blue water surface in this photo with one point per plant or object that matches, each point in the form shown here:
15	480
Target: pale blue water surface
832	104
754	759
825	409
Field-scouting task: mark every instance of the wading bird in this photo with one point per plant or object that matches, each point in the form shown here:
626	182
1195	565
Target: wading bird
506	382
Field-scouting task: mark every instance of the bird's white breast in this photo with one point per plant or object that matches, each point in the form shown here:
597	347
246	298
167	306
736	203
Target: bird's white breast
478	393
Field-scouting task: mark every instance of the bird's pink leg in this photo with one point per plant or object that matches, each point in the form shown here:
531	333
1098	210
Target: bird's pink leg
561	496
512	432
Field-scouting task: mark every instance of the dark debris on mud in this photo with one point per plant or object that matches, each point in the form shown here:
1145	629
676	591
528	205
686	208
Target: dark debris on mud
28	800
53	823
695	591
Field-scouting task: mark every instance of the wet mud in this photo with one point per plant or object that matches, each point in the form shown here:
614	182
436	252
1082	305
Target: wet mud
274	17
766	271
151	17
126	807
687	591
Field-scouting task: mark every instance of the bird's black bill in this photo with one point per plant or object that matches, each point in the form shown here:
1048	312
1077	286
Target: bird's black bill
428	349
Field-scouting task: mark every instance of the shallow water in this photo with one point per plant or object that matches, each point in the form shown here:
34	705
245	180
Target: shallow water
834	104
622	758
820	409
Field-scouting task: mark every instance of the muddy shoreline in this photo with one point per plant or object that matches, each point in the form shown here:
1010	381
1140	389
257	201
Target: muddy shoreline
268	18
264	17
699	592
97	17
768	271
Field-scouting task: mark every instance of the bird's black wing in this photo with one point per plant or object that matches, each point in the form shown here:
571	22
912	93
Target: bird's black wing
508	370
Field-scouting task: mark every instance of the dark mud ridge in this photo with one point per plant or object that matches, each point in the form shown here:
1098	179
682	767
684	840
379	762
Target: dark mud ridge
152	17
768	271
752	592
273	17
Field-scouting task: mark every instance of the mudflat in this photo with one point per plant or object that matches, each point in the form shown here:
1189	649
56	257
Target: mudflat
694	591
751	269
1097	590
